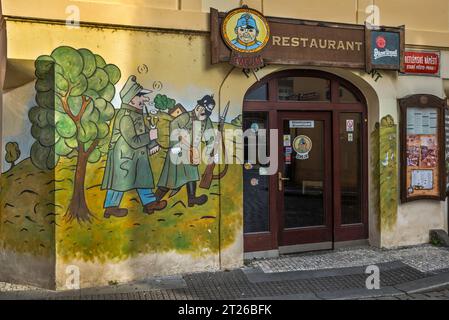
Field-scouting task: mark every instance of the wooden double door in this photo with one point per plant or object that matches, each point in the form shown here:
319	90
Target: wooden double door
317	194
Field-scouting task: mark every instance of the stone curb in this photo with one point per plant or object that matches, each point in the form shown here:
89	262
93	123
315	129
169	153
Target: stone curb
426	284
352	294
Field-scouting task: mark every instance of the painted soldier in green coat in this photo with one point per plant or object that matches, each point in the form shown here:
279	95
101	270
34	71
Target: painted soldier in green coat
128	165
181	164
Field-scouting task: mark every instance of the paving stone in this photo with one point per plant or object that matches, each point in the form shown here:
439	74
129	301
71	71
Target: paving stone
388	298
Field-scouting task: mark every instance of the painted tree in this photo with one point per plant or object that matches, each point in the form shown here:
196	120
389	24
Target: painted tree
72	117
162	102
12	153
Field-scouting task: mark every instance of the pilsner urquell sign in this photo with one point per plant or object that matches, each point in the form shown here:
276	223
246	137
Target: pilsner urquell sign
385	49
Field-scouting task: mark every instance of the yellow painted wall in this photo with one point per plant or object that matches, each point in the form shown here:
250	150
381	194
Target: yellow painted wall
427	22
326	10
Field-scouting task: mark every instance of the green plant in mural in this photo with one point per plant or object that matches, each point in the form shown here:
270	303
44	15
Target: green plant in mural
74	92
388	172
237	121
12	153
162	102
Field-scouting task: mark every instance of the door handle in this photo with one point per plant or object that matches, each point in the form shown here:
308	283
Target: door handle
281	180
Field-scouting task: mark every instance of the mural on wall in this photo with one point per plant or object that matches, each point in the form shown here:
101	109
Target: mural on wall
388	167
102	176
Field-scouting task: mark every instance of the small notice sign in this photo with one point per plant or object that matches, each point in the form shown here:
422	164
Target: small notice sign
287	140
350	125
422	179
350	137
422	63
302	124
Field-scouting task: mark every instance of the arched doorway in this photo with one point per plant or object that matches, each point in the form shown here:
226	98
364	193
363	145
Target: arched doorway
319	197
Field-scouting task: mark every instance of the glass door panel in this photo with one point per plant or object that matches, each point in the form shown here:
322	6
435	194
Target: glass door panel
351	168
305	179
256	209
304	169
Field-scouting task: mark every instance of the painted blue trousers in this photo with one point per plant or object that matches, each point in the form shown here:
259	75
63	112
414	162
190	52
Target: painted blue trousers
114	198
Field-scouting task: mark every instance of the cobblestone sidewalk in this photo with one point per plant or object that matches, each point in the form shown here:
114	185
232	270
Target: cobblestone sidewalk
336	274
425	258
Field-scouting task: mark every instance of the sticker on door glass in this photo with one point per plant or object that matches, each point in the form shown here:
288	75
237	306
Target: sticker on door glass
302	146
255	127
350	137
287	140
254	182
350	125
302	124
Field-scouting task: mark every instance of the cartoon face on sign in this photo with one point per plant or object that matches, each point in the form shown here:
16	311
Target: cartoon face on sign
302	145
245	30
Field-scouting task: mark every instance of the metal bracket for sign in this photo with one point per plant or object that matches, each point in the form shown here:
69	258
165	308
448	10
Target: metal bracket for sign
255	74
368	46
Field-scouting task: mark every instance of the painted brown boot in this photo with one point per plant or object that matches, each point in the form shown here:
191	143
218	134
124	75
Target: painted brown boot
192	198
154	206
115	212
160	193
198	201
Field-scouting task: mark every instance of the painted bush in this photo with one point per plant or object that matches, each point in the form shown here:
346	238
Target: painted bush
388	173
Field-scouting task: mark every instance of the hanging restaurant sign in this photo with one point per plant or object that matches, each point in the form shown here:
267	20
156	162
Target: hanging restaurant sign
422	148
246	32
295	42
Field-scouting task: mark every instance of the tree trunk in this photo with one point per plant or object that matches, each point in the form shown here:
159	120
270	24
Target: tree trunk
78	207
12	165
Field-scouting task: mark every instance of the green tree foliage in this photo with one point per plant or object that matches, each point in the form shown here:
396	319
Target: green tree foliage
74	93
12	153
162	102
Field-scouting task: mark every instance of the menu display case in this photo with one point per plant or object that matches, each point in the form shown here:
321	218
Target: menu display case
423	148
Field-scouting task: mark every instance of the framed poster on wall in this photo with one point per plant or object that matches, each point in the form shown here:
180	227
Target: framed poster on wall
423	148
